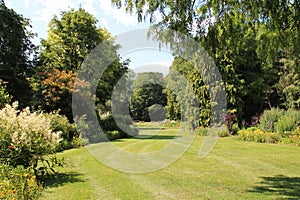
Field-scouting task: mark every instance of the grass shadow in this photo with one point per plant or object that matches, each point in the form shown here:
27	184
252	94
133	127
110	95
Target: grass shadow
149	128
289	187
60	179
156	137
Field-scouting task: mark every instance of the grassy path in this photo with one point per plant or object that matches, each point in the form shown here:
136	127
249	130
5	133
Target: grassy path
233	170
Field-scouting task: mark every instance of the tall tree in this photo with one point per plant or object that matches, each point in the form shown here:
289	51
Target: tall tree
250	42
71	37
15	53
147	91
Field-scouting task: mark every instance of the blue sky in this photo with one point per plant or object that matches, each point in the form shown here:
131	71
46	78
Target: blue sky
117	21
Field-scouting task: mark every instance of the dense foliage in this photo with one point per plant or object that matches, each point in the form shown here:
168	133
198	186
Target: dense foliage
147	91
18	183
255	45
15	51
25	137
5	98
71	37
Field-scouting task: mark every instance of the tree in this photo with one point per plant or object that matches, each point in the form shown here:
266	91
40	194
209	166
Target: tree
70	39
289	83
5	98
247	40
15	53
147	91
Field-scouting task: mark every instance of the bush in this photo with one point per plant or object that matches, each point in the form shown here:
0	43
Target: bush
157	112
18	183
214	131
202	131
25	137
257	135
288	122
222	131
235	128
124	126
112	135
229	120
60	123
269	118
63	145
107	122
68	132
293	138
252	128
79	142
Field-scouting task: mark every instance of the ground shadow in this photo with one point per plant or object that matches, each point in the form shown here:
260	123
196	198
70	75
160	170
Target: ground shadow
60	179
156	137
149	128
289	187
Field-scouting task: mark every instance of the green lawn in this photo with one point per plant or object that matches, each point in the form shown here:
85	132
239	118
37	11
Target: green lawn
233	170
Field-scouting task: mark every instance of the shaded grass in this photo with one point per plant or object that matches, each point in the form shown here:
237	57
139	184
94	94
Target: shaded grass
280	185
233	170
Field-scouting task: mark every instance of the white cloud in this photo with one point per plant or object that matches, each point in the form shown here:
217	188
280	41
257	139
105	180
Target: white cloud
30	3
49	8
120	15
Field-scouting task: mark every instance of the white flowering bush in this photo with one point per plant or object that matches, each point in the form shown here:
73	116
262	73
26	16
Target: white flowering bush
25	137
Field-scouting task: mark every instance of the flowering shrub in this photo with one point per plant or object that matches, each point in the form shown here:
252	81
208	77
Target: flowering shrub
293	138
18	183
257	135
25	137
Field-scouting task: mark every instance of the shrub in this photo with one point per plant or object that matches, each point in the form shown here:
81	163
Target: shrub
252	128
25	137
213	131
202	131
235	128
60	123
68	132
157	112
288	122
112	135
224	132
18	183
257	135
79	142
124	126
269	118
229	120
293	138
255	120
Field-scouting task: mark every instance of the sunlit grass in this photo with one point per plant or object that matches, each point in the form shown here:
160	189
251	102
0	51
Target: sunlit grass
233	170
